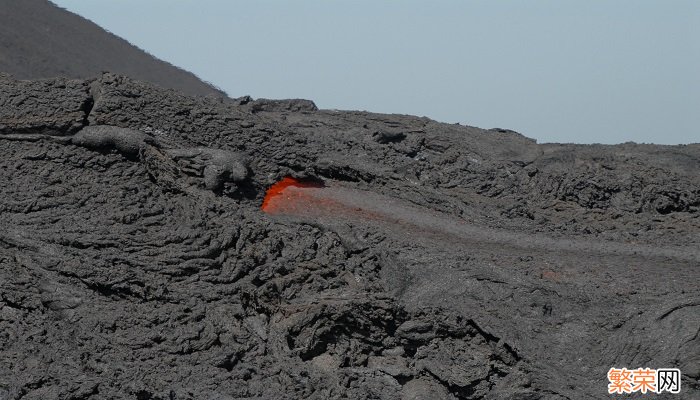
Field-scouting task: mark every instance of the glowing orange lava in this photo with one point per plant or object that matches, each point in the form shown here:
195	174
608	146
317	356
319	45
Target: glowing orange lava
313	199
278	197
316	201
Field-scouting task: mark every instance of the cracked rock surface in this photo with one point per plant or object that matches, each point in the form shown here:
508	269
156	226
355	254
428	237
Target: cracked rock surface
135	261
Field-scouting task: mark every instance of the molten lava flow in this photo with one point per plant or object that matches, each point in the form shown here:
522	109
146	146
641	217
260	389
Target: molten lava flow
333	204
313	199
280	198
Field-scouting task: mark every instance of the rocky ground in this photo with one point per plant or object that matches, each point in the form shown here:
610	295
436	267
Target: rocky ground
136	262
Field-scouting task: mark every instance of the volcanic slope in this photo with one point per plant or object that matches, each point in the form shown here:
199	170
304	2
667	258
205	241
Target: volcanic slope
412	260
40	40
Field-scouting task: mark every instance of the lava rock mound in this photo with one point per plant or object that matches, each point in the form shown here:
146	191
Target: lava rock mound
135	261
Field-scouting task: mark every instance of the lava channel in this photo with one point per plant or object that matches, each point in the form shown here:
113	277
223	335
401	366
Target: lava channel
320	202
333	203
280	200
312	198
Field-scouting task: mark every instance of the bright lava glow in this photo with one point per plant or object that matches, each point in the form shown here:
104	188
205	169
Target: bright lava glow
278	197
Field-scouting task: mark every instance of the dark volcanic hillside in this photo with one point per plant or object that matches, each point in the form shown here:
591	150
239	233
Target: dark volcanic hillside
40	40
422	261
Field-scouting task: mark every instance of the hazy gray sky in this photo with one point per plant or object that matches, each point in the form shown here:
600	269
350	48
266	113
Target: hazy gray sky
581	71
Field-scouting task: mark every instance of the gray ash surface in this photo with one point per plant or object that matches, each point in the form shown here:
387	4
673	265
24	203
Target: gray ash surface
41	40
135	261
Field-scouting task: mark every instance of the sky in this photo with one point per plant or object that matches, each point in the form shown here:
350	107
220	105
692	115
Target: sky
593	71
